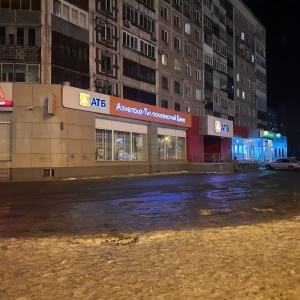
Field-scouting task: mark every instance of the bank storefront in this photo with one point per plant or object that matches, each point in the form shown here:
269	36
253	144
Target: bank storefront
259	146
61	132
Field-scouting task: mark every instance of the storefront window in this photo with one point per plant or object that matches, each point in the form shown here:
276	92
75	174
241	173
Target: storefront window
5	136
103	144
171	147
120	145
139	146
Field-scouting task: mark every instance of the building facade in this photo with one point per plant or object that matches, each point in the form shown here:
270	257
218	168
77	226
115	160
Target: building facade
204	58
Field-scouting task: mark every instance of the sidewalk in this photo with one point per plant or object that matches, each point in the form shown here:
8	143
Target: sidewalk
247	262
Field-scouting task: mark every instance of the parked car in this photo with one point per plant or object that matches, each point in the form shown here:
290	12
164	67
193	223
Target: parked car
284	163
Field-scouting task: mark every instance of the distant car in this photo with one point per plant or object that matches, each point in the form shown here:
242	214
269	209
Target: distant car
285	163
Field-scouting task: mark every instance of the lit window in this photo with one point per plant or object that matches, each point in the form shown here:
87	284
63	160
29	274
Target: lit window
164	59
187	28
177	65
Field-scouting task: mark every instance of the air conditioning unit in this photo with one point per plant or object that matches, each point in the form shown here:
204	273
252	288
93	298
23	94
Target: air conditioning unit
127	23
99	83
161	52
153	37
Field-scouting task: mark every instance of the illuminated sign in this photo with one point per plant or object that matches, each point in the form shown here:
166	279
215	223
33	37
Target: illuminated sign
215	126
220	127
1	94
6	95
6	103
146	112
269	134
137	110
86	101
105	104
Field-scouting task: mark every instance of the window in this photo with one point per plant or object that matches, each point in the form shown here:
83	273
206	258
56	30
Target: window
177	106
242	36
188	70
65	12
197	53
20	36
237	92
197	15
164	36
187	28
164	59
243	95
106	62
188	49
237	77
106	5
164	12
188	91
130	41
198	35
188	110
147	49
20	73
176	88
176	21
74	16
2	35
198	94
164	82
137	71
5	133
198	74
106	33
120	145
171	146
177	43
164	103
177	64
147	23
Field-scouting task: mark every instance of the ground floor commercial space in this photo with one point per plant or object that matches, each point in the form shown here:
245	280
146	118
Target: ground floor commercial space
57	131
259	145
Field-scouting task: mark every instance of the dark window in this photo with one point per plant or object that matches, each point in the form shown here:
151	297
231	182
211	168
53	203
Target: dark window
177	87
137	71
35	4
177	106
11	39
20	36
164	82
25	4
2	35
59	75
106	63
106	5
15	4
164	104
31	36
4	3
139	95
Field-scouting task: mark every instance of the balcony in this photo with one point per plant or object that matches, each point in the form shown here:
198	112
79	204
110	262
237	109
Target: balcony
20	53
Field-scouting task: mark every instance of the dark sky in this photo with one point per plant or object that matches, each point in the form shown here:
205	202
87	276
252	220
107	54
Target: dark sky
281	19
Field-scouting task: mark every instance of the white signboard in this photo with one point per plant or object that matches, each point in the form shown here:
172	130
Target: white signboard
85	100
216	126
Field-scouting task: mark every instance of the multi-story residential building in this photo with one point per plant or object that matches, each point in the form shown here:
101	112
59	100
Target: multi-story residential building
204	58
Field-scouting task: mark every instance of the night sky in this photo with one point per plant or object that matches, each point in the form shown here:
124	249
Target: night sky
281	19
